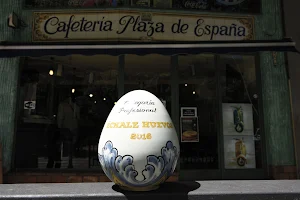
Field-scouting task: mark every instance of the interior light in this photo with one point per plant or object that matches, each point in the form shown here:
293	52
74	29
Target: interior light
95	102
194	92
73	90
51	72
185	85
104	99
91	95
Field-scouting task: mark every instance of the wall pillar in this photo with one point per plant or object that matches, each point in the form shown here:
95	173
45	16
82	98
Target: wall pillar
275	96
121	76
9	75
174	82
9	68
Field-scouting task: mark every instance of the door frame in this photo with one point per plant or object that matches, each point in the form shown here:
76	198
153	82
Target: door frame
204	174
221	173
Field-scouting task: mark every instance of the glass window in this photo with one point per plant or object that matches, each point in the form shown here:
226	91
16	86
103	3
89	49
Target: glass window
63	105
240	100
243	6
238	6
150	72
198	133
73	3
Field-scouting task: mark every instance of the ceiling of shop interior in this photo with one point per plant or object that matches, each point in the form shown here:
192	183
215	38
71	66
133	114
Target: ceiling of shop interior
105	67
152	62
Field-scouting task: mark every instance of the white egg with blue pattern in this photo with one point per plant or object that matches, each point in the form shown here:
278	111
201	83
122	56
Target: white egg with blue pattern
138	147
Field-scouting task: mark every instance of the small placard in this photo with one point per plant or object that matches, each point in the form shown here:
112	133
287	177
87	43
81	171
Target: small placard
29	105
188	112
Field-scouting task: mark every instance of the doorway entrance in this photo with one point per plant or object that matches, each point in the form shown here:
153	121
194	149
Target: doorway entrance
223	91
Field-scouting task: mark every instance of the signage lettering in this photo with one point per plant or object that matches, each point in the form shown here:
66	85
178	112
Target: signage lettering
135	24
81	25
203	5
145	124
232	30
132	26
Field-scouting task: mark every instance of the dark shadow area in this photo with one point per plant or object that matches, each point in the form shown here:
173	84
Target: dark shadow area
169	190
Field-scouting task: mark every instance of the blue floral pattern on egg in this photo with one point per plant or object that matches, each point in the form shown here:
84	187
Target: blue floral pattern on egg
120	169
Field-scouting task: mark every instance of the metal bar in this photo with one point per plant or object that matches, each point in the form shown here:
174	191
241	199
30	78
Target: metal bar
147	46
121	75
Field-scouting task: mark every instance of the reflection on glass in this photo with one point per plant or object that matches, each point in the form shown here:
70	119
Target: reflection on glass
72	105
241	126
151	73
197	75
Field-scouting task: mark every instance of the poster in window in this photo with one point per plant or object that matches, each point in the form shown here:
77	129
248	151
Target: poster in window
237	119
239	152
189	129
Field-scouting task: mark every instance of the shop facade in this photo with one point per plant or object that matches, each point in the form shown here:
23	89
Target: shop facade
230	109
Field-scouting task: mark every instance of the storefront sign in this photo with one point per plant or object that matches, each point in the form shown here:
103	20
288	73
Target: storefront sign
139	26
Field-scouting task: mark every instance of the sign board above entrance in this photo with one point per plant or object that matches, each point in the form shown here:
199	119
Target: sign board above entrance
136	26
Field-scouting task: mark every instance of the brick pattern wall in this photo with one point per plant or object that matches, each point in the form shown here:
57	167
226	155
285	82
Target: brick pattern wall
283	172
1	171
41	177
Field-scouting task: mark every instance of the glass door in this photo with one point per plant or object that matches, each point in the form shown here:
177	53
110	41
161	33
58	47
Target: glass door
241	126
198	109
151	73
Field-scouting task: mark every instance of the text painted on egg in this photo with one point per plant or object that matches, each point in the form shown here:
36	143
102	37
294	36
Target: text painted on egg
138	107
138	125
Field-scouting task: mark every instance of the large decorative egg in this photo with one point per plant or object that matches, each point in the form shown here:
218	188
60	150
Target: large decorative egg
138	147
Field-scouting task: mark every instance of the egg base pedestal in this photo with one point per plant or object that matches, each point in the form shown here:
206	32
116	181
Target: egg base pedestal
137	189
